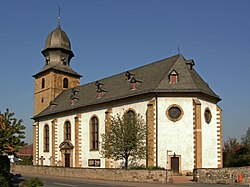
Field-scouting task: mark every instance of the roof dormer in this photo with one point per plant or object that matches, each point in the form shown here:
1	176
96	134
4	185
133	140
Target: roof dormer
129	75
99	89
190	63
134	83
173	77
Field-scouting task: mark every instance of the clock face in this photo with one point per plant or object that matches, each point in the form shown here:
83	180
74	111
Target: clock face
207	115
174	113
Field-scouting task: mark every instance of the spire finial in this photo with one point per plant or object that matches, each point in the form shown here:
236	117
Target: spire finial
178	49
59	15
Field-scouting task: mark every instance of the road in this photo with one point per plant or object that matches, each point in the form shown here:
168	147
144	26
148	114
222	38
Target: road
52	181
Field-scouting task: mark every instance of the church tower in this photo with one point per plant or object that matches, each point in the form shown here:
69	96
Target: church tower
57	75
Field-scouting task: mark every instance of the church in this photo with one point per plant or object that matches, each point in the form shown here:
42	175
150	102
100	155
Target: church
183	119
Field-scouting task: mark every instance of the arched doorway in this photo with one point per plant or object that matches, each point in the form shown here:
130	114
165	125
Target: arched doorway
66	149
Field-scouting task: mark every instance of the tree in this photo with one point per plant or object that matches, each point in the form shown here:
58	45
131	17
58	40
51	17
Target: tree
230	150
236	154
125	138
11	132
246	138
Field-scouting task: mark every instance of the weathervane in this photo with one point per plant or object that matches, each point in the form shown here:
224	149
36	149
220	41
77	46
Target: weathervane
59	15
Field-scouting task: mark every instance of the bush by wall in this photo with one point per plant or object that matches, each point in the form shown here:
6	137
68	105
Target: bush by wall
5	178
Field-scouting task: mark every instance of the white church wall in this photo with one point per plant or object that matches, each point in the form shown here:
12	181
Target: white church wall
46	155
87	152
176	136
209	137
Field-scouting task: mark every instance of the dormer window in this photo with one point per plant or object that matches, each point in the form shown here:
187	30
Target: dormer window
190	64
129	75
99	89
173	77
65	83
52	105
74	98
134	83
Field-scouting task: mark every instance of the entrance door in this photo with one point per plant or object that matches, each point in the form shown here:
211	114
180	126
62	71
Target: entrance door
175	164
67	160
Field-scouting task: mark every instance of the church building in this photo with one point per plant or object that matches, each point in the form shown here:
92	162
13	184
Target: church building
183	120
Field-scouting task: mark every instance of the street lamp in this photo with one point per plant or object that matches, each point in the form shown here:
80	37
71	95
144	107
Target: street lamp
168	151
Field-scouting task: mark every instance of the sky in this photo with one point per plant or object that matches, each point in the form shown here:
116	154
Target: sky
113	36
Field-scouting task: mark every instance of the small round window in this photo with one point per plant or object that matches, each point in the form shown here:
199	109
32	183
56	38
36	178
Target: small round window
207	115
174	113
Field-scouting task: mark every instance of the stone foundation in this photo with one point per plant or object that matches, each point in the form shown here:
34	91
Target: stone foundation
149	176
222	175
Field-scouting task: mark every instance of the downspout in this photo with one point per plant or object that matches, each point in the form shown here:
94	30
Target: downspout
156	123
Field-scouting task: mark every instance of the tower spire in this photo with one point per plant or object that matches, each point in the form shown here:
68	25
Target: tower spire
59	16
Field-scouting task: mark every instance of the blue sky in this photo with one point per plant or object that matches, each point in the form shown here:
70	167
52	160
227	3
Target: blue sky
112	36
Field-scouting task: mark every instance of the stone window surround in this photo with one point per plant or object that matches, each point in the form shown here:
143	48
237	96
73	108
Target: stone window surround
46	138
92	147
207	118
167	112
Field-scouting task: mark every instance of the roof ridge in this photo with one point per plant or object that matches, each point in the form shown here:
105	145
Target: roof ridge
139	67
204	82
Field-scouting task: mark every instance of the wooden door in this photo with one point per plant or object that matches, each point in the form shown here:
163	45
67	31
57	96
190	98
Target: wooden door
67	160
175	164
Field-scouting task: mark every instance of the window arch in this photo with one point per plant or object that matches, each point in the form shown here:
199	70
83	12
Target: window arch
94	133
67	131
43	83
131	117
65	83
46	138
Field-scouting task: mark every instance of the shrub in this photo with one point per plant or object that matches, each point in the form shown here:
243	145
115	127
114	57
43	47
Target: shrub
32	182
5	178
5	181
142	167
26	161
4	165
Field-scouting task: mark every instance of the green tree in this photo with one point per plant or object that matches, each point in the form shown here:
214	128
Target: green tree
236	154
231	148
246	139
125	138
11	132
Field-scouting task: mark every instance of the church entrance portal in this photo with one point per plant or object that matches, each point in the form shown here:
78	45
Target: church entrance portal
66	149
175	164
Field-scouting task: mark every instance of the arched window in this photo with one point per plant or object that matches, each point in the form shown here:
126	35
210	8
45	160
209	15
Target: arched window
94	133
65	83
130	115
43	83
67	131
46	138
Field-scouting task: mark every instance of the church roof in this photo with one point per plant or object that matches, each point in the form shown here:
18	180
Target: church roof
57	39
150	78
58	67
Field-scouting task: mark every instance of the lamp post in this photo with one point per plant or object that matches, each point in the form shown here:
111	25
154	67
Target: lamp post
168	151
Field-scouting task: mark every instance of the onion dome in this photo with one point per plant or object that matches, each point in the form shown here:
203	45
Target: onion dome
58	39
